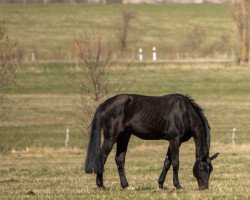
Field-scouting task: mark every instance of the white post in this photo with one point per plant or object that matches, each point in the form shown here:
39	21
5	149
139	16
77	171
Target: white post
114	57
154	54
177	56
140	54
67	138
33	57
233	137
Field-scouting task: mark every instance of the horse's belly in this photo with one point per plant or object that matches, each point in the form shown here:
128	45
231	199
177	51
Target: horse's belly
145	133
148	136
152	131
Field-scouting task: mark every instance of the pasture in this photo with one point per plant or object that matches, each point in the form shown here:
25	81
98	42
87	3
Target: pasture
50	30
44	102
42	105
56	174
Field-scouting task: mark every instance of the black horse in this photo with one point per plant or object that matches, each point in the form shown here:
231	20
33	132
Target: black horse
172	117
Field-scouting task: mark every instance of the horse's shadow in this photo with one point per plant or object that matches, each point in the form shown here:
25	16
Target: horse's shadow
144	188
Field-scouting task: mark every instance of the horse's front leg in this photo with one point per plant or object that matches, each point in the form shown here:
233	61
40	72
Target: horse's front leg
166	166
174	151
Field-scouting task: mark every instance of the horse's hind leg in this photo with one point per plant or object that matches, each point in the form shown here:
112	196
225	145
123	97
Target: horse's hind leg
105	150
122	144
166	166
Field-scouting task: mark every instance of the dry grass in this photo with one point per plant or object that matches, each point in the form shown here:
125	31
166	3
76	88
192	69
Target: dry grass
32	131
56	174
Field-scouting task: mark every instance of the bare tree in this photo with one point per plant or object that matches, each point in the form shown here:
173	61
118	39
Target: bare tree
94	61
94	74
240	13
127	16
8	61
248	29
194	39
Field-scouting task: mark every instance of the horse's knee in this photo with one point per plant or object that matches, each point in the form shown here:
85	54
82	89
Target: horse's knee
167	164
175	163
119	161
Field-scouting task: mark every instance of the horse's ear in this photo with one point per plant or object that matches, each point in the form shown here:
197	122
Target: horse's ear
214	156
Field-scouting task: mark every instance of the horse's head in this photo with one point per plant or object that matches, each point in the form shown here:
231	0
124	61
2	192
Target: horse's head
202	170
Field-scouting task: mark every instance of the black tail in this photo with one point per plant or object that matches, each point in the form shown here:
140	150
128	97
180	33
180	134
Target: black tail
91	163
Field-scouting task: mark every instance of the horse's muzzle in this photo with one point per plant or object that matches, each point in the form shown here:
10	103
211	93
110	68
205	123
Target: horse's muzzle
203	186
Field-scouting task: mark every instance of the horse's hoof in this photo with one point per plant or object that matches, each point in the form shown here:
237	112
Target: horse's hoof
180	188
158	189
101	187
161	186
129	188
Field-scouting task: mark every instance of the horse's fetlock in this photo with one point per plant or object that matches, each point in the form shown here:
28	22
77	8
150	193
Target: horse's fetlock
177	184
125	185
160	182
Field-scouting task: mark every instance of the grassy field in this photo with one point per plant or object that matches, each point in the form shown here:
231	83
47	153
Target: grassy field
43	103
51	174
44	100
49	30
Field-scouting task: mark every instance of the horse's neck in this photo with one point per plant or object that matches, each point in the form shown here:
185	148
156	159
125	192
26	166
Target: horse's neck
202	146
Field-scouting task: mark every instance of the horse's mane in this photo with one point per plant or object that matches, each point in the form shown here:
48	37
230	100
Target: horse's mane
200	113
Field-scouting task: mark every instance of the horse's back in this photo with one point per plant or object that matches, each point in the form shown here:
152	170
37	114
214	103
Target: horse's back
157	117
161	105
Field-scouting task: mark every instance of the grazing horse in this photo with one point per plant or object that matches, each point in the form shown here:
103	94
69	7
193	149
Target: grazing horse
172	117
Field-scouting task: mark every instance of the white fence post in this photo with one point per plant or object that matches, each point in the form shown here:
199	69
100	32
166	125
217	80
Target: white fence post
154	54
140	54
67	138
114	57
33	57
233	137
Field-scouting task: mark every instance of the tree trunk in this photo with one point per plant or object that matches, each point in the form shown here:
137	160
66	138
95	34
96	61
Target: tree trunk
240	12
243	46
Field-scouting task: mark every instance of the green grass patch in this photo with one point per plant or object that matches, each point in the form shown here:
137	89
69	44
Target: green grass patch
45	100
49	30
